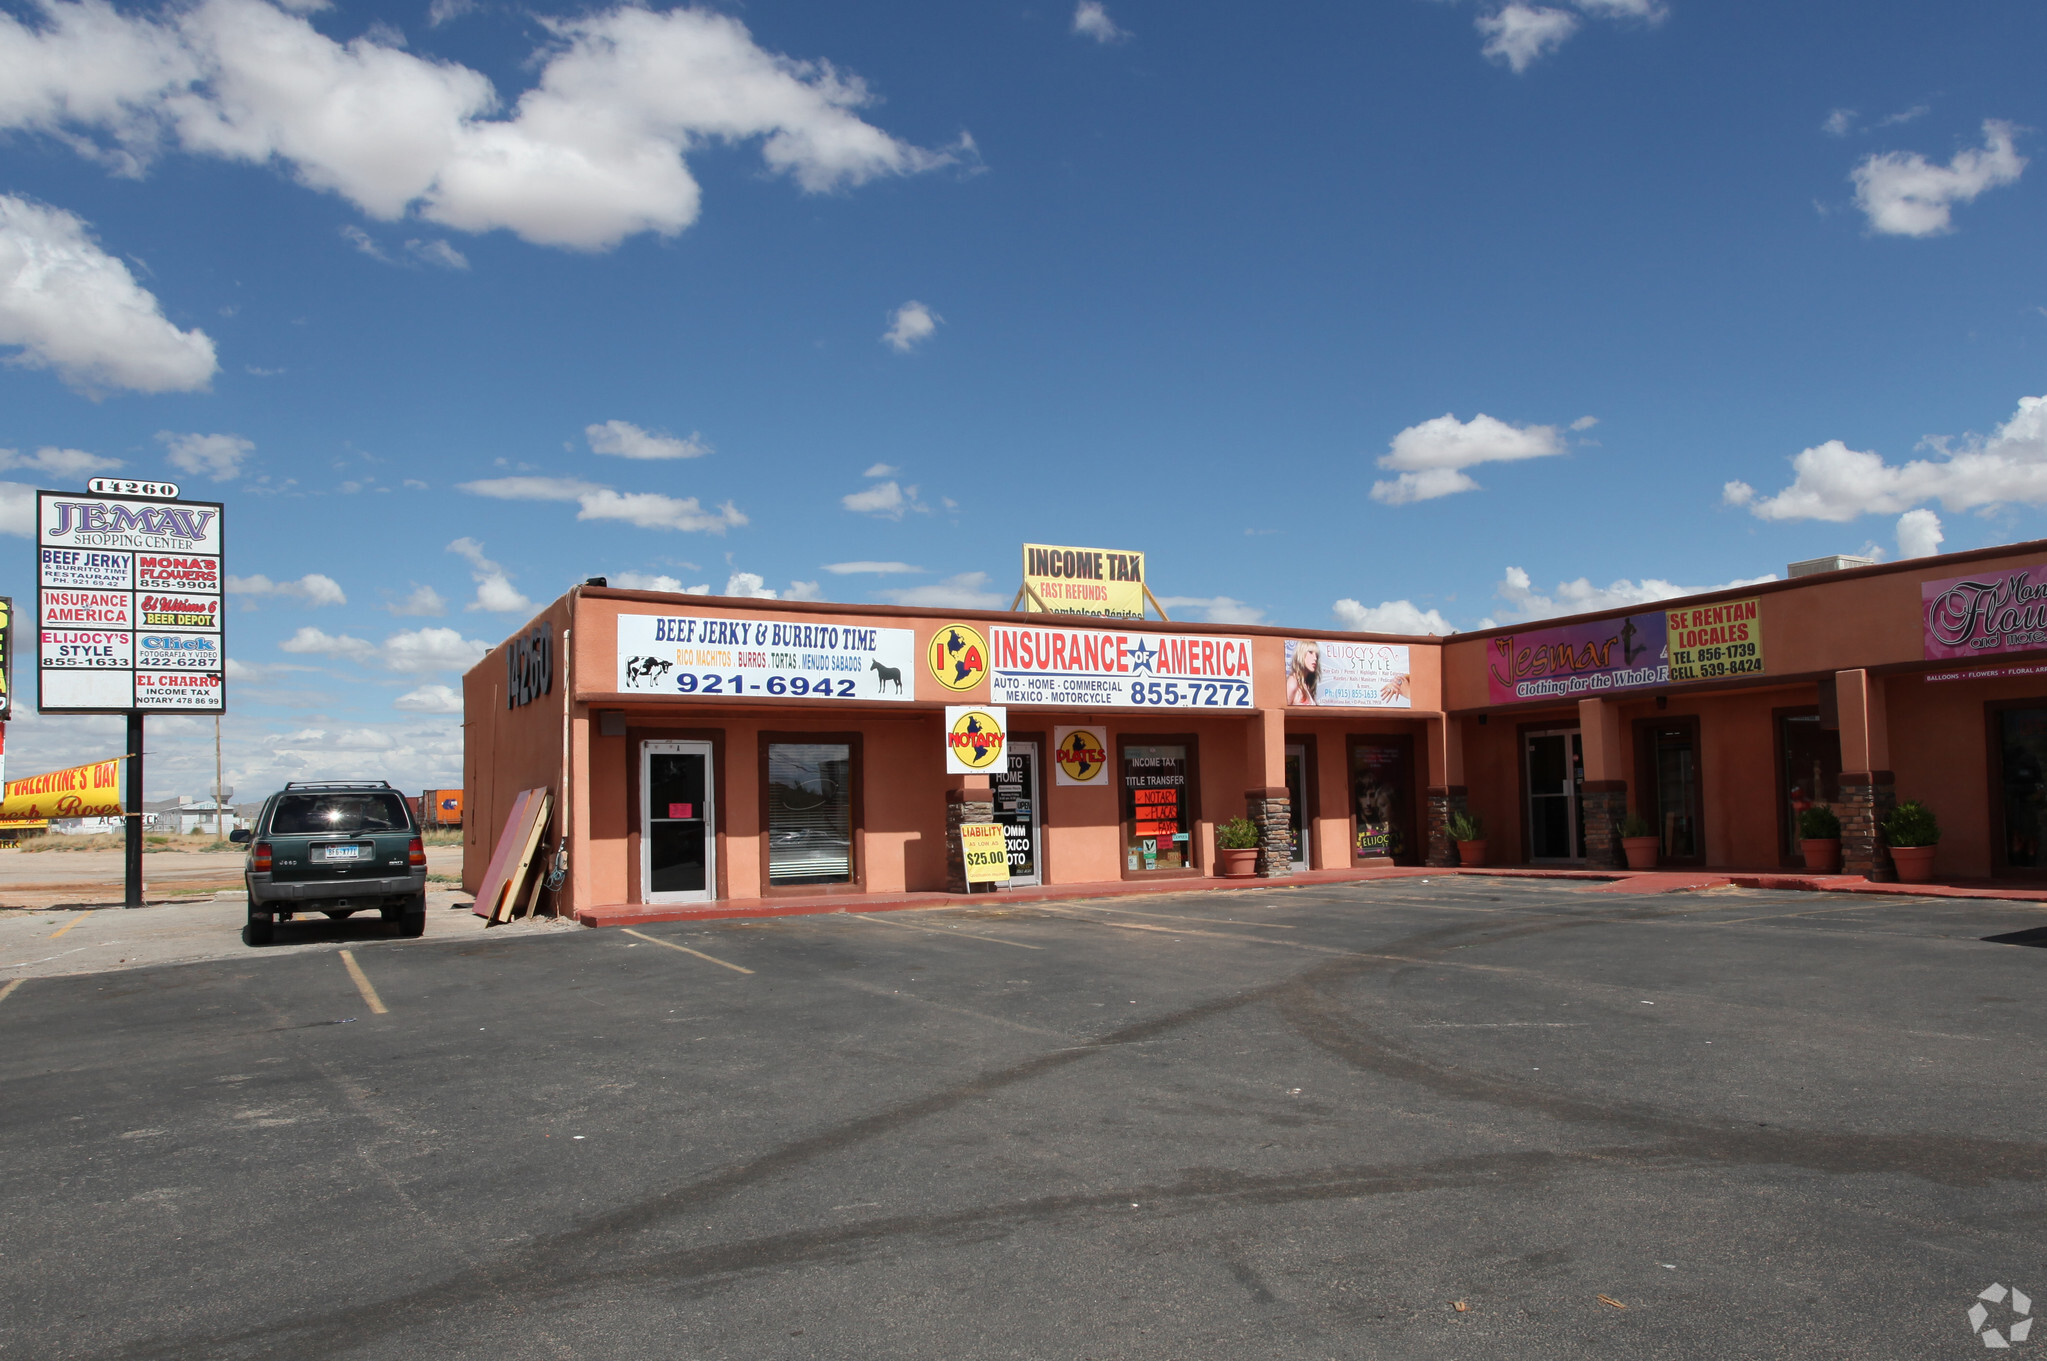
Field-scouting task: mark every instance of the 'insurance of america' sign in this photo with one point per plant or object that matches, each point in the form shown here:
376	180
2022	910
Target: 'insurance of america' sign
1135	670
128	603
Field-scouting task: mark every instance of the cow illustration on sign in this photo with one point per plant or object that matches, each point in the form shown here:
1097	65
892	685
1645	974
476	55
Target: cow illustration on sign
648	669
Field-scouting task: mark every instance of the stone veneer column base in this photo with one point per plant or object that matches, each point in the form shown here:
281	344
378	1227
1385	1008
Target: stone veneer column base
1445	802
1271	811
1605	805
1867	798
963	805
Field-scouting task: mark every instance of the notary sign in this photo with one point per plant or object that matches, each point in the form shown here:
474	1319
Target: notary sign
129	615
986	852
1085	580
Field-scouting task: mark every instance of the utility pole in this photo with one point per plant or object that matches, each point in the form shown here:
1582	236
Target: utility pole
218	796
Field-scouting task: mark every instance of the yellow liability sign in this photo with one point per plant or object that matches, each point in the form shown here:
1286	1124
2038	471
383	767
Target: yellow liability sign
986	851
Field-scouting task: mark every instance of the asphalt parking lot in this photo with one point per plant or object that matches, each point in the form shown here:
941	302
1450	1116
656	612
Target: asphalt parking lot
1293	1123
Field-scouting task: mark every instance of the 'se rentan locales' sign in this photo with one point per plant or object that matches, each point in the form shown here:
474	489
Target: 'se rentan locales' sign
1708	642
1102	581
985	848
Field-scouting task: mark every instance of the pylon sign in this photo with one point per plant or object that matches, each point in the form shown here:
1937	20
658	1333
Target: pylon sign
129	610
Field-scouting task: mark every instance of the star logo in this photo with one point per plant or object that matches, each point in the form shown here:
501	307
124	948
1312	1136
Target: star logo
2017	1317
1141	657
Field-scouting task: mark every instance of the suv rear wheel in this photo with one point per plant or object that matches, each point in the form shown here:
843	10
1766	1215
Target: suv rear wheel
260	930
410	917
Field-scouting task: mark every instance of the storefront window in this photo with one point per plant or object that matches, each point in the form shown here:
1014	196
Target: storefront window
2023	738
1156	808
1811	774
810	813
1382	798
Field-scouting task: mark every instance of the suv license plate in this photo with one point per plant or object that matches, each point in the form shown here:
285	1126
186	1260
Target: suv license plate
344	852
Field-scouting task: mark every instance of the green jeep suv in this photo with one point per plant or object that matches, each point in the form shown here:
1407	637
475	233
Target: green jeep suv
334	847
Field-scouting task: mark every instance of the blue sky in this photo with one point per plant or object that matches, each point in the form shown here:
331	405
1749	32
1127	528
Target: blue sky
455	304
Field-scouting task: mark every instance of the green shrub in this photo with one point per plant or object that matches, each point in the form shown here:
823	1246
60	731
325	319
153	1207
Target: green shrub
1238	834
1466	826
1634	824
1818	823
1912	823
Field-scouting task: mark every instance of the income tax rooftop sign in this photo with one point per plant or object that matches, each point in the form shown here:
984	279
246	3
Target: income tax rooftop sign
128	601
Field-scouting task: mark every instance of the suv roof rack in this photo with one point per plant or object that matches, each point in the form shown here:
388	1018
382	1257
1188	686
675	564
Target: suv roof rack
337	784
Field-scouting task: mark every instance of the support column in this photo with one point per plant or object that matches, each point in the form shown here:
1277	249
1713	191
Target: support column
1868	788
1603	798
133	821
968	800
1447	793
1270	805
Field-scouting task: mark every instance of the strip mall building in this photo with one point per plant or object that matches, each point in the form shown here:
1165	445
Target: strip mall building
705	748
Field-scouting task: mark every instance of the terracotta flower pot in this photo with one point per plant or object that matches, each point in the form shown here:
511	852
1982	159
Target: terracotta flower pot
1915	863
1471	853
1822	853
1641	851
1237	864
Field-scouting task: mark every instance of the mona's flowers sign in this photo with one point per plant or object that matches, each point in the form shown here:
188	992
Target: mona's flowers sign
1993	613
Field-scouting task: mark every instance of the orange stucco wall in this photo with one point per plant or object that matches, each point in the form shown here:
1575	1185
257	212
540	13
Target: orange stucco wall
1820	634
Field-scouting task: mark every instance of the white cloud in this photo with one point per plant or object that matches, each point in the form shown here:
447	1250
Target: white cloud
412	650
1839	123
1584	422
913	322
219	457
1215	609
1650	10
1430	457
846	569
66	463
438	252
882	470
648	510
1919	534
593	153
1091	20
1389	616
804	590
18	509
1520	35
1903	194
967	591
649	581
71	307
424	601
1833	482
494	590
1917	111
1523	601
314	588
429	699
751	585
629	441
885	500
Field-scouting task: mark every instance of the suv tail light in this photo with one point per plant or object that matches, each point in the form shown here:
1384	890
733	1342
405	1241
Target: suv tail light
260	860
416	853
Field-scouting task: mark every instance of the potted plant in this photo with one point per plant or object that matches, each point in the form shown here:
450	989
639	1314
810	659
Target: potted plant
1912	832
1819	836
1639	841
1236	848
1467	829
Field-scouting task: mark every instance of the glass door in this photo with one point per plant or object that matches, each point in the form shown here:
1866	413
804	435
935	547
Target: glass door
1016	808
1809	774
1676	755
678	826
1555	766
1297	800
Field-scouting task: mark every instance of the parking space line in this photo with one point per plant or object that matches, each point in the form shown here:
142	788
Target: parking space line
7	989
362	984
656	940
68	925
873	920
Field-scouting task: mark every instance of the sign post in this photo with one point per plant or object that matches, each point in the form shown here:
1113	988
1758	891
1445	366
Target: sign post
129	615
